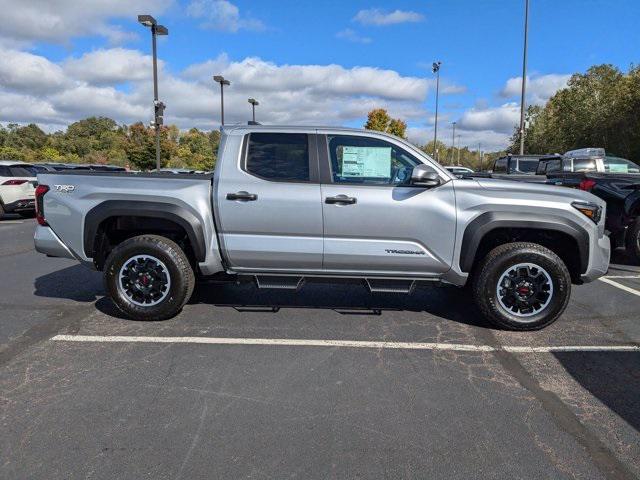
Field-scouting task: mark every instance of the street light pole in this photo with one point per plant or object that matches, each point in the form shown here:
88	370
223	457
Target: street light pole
524	75
458	150
253	103
222	81
436	69
149	21
453	143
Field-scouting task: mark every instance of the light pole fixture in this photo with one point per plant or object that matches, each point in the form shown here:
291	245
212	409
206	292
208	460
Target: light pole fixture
222	81
158	107
253	103
453	143
524	75
436	69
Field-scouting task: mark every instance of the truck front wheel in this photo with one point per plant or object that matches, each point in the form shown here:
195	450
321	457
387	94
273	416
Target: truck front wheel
522	286
149	277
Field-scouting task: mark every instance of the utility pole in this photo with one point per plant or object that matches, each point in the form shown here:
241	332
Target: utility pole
524	75
453	143
158	106
436	69
253	103
222	81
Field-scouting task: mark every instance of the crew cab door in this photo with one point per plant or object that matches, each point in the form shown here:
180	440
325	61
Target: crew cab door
268	202
374	221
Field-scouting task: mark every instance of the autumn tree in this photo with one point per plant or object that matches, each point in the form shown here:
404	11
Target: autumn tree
378	119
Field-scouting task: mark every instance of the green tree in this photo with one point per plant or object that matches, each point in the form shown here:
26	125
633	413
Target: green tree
140	148
378	119
599	108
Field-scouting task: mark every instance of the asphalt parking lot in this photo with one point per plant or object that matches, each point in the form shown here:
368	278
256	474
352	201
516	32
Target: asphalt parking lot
332	382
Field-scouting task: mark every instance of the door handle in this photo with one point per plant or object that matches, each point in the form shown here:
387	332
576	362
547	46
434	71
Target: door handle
244	196
341	199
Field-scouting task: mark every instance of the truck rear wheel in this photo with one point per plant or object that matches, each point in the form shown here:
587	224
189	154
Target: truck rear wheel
522	286
149	277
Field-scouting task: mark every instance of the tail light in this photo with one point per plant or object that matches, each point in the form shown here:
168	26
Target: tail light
15	182
586	185
40	191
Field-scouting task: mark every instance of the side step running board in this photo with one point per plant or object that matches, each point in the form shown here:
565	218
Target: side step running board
390	286
280	282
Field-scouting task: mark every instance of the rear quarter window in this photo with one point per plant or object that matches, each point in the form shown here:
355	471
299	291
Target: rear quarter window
278	156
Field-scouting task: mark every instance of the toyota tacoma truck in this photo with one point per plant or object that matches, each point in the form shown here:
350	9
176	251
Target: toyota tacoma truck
287	204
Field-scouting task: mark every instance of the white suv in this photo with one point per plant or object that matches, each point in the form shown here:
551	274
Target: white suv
17	188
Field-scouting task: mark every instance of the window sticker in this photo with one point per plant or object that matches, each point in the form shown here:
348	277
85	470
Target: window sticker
366	162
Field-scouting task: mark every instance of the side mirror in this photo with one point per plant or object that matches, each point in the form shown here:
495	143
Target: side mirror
423	176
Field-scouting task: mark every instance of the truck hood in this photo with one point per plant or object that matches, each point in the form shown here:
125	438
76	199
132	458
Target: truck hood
552	191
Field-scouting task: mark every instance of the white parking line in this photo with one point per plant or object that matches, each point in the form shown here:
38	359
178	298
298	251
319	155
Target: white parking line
622	276
613	283
345	343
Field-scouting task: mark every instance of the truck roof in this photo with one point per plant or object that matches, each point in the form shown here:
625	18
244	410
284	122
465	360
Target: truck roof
300	128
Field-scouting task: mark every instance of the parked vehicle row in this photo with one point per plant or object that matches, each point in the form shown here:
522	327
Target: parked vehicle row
613	179
290	203
17	188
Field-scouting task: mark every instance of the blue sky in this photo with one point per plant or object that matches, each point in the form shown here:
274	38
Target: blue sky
307	62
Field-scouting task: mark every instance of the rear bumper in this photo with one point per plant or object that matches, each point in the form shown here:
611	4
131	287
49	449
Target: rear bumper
599	255
22	205
47	242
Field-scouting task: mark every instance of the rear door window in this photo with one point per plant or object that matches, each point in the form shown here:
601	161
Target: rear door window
278	156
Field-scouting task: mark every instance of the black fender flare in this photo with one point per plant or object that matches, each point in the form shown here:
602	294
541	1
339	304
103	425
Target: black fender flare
174	213
487	222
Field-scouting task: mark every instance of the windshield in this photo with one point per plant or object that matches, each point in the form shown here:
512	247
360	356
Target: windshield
527	165
620	165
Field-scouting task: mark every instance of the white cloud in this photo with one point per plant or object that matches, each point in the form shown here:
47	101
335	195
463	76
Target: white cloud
500	119
255	74
111	66
539	88
452	89
352	36
25	72
294	94
59	20
375	16
222	15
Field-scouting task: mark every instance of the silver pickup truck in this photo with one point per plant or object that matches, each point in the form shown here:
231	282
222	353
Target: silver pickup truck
292	203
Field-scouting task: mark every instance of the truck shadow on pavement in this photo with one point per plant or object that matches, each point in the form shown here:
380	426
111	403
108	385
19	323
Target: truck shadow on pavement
450	303
611	377
80	284
76	283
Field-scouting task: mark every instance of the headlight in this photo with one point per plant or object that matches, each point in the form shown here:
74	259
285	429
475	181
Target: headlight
591	210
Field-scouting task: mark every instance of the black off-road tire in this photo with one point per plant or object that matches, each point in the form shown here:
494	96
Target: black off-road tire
1	211
182	278
498	261
633	241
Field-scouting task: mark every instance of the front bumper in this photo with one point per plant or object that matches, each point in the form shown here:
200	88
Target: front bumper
47	242
22	205
599	256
